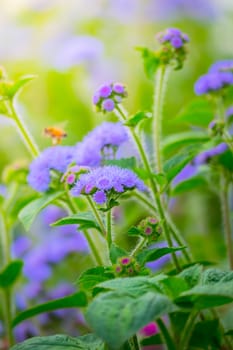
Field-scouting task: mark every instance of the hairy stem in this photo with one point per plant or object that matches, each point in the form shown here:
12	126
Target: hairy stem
187	331
97	215
166	335
109	228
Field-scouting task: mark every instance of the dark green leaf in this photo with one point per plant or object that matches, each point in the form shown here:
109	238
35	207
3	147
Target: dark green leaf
61	342
206	335
115	317
155	254
137	118
150	60
10	273
213	275
128	163
28	214
19	84
154	340
134	231
75	300
84	220
173	286
188	185
94	276
116	252
230	332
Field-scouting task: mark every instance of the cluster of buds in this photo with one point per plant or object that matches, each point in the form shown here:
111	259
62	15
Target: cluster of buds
126	266
173	48
73	172
108	96
150	229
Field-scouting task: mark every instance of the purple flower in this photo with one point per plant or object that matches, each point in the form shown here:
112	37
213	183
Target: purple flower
176	42
108	105
25	330
100	197
105	91
213	81
229	112
107	179
174	36
149	330
20	246
52	158
221	66
206	156
95	146
119	88
108	96
188	171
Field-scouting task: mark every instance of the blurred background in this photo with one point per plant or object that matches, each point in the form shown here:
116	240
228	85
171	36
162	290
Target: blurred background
73	47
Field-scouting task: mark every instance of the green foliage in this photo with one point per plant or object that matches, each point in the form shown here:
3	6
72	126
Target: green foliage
155	254
189	185
192	274
153	340
115	317
116	252
206	335
84	220
90	278
137	118
129	163
75	300
10	273
28	214
61	342
19	84
150	60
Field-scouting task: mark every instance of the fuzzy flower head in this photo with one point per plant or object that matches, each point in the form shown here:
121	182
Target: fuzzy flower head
53	158
222	66
150	229
173	49
105	184
213	83
100	144
108	96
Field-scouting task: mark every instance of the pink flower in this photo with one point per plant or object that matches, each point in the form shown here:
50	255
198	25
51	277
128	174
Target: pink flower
149	330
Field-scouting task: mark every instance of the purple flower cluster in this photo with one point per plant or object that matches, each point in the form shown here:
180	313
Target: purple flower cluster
53	158
108	96
104	181
206	156
102	142
219	76
174	37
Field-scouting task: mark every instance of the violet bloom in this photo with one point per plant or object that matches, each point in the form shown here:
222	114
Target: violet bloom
53	158
186	173
206	156
25	330
221	66
174	36
158	264
213	82
108	96
105	137
108	179
229	112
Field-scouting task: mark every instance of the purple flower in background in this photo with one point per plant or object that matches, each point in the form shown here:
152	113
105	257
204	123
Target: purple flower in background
107	179
3	190
206	156
108	105
108	96
188	171
158	264
221	66
52	158
174	36
94	147
25	330
20	246
212	82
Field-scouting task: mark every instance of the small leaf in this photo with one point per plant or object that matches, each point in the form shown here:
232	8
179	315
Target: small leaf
94	276
150	60
134	231
115	317
137	118
155	254
116	252
75	300
188	185
84	220
128	163
172	286
192	274
61	342
10	273
154	340
28	214
19	84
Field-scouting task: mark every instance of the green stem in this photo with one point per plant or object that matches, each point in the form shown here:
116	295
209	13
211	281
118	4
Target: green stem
92	246
5	239
109	228
8	315
226	218
166	335
28	140
187	331
139	246
97	215
160	87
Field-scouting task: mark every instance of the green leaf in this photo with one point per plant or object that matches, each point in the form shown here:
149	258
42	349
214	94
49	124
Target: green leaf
229	332
198	112
150	60
173	143
128	163
134	231
19	84
155	254
94	276
10	273
192	274
204	297
175	164
75	300
61	342
154	340
172	286
137	118
84	220
115	317
28	214
116	252
188	185
206	335
213	276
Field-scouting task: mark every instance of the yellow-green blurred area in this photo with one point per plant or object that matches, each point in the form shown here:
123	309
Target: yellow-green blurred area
74	46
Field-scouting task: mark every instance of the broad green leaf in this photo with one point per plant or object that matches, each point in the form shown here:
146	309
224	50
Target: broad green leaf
61	342
188	185
206	296
173	143
206	335
28	214
172	286
229	332
226	159
213	276
150	60
198	112
155	254
75	300
129	163
192	274
19	84
84	220
94	276
115	317
10	273
137	118
116	252
175	164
